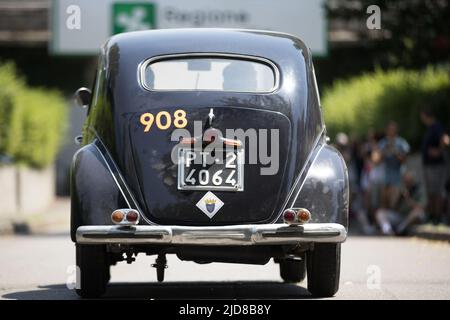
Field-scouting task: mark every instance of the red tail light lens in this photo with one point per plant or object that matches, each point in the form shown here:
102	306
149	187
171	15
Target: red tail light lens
132	216
289	215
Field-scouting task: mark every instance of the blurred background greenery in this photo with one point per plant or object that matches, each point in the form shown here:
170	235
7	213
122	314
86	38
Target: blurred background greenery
32	120
371	100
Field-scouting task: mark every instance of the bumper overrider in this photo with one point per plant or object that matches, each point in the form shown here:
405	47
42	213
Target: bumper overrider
252	234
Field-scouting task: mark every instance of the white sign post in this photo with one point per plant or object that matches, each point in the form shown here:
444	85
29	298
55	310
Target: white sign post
80	27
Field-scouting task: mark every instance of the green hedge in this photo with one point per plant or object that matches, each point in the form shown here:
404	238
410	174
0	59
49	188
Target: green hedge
32	120
371	100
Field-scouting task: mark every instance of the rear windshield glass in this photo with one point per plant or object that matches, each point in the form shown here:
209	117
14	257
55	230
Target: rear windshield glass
218	74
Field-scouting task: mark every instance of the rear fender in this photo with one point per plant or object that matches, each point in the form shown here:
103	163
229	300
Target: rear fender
94	192
324	188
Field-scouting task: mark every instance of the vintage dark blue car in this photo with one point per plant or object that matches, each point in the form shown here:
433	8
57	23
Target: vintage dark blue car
208	144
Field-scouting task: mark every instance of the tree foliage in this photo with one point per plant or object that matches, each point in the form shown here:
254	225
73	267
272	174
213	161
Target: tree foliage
371	100
32	120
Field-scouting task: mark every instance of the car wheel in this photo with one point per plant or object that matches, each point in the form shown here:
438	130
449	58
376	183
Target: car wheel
323	266
293	270
93	270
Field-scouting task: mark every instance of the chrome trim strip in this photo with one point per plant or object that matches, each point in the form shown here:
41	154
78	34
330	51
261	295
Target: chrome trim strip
261	234
136	206
318	145
113	176
143	66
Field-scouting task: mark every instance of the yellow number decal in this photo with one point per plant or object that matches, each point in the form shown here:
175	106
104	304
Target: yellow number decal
147	120
168	120
180	120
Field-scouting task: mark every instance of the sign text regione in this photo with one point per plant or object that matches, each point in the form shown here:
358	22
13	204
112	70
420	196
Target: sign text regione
80	27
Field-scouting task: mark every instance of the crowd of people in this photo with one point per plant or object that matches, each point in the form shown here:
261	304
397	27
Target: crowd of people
388	196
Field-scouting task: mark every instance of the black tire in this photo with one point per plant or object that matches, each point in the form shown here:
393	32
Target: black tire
93	270
323	264
293	271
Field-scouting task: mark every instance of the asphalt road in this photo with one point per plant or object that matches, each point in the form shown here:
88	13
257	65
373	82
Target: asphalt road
39	266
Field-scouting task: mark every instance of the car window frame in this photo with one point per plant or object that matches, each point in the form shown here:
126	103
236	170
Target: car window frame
144	64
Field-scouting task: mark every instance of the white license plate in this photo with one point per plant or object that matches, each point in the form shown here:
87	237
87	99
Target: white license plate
203	170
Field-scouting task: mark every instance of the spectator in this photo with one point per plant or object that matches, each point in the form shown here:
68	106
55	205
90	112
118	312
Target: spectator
342	144
370	144
356	202
371	177
407	211
344	147
393	151
433	145
372	180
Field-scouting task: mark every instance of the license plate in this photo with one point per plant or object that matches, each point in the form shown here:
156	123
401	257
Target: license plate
203	170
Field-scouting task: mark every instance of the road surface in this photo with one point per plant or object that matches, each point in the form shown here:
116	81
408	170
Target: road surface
39	266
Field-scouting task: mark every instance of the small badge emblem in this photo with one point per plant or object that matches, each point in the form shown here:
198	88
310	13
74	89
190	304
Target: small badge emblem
210	204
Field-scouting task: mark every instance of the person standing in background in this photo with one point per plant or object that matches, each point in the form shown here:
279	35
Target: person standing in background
433	147
393	151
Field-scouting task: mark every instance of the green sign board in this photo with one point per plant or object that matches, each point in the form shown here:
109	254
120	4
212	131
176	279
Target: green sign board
132	16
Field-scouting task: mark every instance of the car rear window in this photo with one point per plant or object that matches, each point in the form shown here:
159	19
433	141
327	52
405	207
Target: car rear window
210	73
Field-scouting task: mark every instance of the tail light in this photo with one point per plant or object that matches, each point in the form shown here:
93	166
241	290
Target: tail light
303	215
289	216
132	216
296	216
117	216
125	217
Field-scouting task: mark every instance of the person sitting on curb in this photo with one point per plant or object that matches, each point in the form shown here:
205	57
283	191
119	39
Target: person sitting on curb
408	211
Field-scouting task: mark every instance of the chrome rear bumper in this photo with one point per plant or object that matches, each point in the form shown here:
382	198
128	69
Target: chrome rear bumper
255	234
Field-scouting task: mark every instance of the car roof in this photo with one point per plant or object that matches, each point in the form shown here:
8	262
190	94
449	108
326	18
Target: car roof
140	45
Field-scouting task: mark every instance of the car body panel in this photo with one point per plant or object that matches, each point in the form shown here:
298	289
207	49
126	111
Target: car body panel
121	166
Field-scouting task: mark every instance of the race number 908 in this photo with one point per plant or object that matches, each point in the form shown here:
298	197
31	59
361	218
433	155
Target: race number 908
163	120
